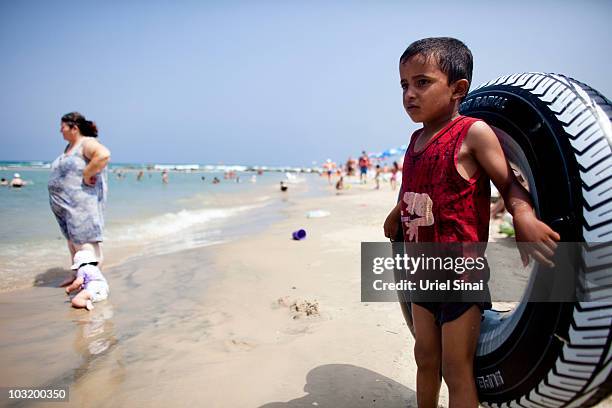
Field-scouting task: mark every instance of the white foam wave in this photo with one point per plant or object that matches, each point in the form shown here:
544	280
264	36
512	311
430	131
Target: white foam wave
293	179
174	223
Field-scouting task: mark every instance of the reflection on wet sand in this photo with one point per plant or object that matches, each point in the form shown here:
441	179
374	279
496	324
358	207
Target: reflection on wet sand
94	337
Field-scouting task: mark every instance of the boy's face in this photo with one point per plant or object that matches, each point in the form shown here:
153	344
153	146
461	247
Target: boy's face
426	92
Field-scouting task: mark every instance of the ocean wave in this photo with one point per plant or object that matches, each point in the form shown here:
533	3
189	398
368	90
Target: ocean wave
174	223
37	164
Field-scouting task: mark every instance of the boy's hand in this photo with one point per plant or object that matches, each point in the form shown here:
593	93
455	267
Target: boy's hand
392	223
538	238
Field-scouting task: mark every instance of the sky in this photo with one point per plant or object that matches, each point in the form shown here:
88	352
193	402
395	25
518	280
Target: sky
260	82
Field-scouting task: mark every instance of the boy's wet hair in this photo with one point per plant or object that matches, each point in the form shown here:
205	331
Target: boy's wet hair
453	57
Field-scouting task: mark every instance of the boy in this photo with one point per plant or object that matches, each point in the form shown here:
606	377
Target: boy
89	278
445	198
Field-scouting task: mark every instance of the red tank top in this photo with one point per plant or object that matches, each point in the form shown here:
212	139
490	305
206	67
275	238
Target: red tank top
437	204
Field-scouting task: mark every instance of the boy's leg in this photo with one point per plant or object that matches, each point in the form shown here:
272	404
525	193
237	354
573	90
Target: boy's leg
427	353
459	341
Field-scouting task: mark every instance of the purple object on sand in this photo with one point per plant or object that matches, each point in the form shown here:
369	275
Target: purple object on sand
299	234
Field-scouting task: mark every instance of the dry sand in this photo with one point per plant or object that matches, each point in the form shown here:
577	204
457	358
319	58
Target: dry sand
264	321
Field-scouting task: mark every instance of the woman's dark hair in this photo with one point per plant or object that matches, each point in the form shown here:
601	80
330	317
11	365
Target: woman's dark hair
86	127
453	57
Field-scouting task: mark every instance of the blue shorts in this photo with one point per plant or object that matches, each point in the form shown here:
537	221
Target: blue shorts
363	170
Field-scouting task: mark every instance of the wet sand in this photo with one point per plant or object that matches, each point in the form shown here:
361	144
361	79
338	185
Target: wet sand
205	326
264	321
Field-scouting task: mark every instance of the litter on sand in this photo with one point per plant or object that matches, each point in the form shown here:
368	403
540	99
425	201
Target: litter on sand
299	234
317	214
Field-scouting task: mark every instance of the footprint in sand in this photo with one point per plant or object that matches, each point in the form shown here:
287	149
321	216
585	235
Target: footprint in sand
238	345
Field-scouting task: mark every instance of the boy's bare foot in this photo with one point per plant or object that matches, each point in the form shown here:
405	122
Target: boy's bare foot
89	306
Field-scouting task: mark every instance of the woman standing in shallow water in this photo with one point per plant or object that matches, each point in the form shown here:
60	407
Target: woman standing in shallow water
77	186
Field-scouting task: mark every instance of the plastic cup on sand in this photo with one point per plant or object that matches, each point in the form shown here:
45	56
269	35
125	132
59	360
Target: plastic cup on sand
299	234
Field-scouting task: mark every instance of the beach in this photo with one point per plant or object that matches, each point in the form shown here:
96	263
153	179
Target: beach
232	167
214	326
260	320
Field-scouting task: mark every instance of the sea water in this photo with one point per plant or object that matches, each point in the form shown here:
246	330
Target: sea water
148	215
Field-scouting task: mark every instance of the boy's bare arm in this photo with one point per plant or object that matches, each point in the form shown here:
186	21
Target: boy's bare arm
392	221
75	285
484	147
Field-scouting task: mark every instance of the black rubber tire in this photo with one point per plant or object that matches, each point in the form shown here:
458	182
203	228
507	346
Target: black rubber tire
554	354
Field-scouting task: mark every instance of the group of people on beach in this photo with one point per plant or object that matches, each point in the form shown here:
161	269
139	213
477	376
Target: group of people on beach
380	172
165	176
77	195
